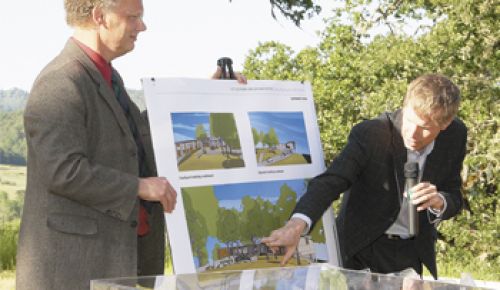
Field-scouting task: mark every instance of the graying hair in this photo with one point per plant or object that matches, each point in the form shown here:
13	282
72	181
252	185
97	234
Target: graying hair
79	12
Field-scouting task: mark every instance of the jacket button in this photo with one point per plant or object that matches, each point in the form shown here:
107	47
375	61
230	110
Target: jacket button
133	224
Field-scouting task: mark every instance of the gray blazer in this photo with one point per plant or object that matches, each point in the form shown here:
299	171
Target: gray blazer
370	168
80	212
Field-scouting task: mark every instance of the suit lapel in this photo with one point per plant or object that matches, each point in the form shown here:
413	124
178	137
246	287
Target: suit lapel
400	154
105	91
433	163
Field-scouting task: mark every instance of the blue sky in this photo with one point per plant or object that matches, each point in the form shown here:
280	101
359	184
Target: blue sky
289	126
230	195
184	125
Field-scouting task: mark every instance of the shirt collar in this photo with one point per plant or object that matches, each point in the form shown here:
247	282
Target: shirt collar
102	65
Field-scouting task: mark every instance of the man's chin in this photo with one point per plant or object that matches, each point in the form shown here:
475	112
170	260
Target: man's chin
124	51
412	146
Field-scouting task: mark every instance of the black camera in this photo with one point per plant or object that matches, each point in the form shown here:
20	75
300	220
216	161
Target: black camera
226	65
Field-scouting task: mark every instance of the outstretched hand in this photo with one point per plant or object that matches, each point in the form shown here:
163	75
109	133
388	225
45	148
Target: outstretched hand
287	236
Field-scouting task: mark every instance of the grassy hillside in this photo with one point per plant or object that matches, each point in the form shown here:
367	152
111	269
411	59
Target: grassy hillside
12	180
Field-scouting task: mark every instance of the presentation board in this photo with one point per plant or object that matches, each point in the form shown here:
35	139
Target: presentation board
239	157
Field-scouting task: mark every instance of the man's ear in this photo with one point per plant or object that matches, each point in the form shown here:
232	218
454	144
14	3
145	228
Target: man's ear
97	15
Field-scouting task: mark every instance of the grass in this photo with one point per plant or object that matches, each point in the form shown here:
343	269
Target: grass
260	263
12	180
8	280
478	271
205	161
292	159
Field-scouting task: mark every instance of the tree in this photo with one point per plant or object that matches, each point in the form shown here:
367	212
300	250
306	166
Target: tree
250	218
223	125
228	227
215	252
198	231
200	132
273	138
356	74
295	10
286	202
12	139
256	136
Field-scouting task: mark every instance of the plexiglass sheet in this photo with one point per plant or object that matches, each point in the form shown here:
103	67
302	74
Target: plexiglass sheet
318	276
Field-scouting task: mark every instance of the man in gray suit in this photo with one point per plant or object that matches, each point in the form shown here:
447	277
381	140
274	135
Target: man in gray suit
90	162
372	223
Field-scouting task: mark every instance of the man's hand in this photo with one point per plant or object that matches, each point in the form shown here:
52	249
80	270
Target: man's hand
158	189
425	195
287	236
239	77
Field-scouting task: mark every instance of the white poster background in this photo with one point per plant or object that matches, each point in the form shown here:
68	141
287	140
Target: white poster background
177	95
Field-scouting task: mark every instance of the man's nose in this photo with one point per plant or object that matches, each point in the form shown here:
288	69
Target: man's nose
415	131
142	25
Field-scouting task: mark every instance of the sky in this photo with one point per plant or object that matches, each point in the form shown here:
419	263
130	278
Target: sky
184	125
289	126
184	38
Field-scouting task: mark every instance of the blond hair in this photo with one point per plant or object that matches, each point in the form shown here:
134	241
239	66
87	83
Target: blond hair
79	12
433	96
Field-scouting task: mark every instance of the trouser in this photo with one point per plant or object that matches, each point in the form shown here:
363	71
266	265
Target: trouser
387	255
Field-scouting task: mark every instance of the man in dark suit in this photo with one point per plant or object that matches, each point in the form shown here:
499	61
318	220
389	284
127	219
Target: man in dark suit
90	162
372	223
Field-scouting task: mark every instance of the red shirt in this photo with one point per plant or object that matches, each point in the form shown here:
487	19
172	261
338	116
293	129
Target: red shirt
102	65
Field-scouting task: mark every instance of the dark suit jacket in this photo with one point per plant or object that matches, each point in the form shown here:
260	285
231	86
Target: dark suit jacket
80	212
370	167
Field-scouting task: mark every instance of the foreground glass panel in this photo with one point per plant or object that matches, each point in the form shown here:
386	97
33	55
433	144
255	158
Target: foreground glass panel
313	277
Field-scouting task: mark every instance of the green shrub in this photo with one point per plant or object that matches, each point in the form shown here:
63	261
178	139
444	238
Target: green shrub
8	244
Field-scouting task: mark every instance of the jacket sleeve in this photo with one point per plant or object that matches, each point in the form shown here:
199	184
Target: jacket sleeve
340	175
451	189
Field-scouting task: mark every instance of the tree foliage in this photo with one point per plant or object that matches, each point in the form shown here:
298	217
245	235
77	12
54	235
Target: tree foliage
200	132
356	74
286	203
198	230
12	138
223	125
256	136
8	240
13	100
294	10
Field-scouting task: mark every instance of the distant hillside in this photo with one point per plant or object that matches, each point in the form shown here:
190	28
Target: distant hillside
12	100
137	97
12	139
15	99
